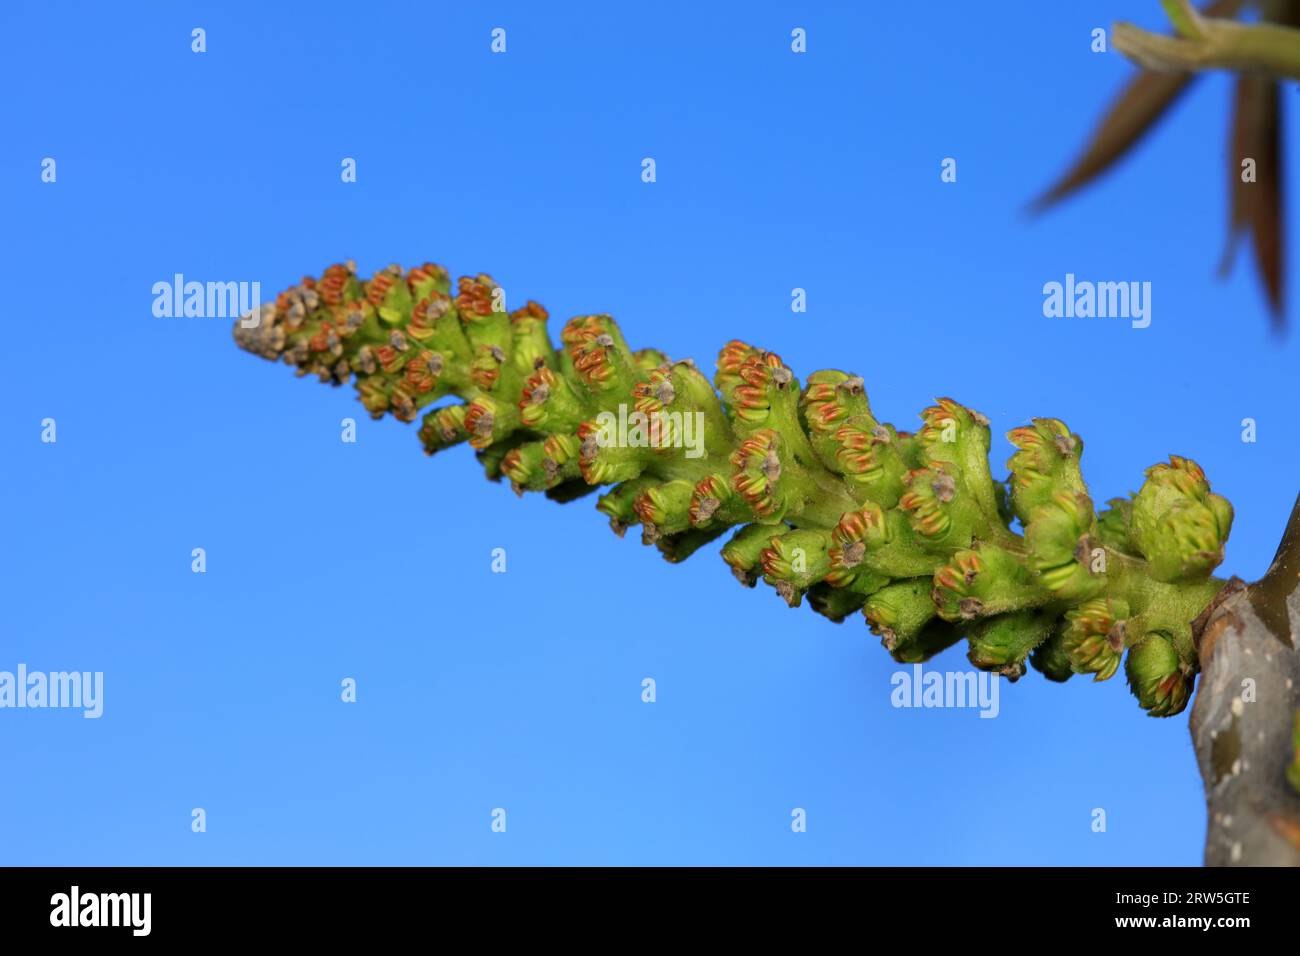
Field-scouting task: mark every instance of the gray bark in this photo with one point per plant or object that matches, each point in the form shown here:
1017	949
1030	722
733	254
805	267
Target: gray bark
1243	718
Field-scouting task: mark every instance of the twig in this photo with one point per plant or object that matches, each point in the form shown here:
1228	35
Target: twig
1211	43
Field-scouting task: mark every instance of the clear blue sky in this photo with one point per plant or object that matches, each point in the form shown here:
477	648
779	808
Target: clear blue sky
326	560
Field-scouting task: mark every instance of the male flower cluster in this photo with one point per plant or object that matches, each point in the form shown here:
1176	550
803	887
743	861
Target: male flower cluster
823	500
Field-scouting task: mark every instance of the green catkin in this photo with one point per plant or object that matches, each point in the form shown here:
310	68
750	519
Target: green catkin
823	500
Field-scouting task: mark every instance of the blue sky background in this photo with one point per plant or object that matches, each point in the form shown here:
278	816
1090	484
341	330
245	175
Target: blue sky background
328	560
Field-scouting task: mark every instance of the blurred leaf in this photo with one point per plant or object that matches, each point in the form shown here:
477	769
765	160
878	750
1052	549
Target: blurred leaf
1134	113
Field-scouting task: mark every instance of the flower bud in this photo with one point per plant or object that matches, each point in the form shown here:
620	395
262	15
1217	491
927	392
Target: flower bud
489	420
939	518
744	551
339	285
831	398
1061	547
377	395
477	300
1045	464
656	392
663	509
758	465
828	401
756	388
682	410
442	428
856	533
794	561
733	355
619	504
714	503
548	403
949	424
953	434
427	279
1179	526
956	439
983	581
434	326
601	359
485	367
604	459
1093	636
1002	643
1161	683
530	467
390	296
866	456
530	345
423	374
898	614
